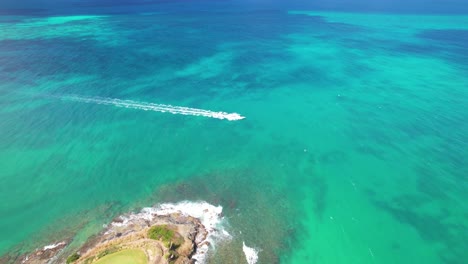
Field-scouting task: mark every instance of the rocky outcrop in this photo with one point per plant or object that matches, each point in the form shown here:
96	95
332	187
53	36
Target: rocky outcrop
47	254
131	232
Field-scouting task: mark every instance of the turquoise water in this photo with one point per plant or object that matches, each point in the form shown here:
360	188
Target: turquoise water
353	150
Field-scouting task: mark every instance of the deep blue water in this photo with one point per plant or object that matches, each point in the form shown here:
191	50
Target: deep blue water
393	6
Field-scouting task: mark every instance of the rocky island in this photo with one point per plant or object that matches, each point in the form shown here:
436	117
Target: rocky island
169	233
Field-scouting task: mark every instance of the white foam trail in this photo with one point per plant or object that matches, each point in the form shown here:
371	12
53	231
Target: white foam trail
209	215
178	110
251	254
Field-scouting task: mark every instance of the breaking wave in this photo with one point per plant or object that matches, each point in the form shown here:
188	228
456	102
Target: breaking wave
251	254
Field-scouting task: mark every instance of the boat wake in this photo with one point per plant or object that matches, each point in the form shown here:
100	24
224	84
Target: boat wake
177	110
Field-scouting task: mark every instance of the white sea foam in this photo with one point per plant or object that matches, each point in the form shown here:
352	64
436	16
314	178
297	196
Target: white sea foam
251	254
52	246
209	215
25	259
178	110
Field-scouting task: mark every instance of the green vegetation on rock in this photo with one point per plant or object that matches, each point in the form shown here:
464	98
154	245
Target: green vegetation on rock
72	258
106	252
134	256
169	237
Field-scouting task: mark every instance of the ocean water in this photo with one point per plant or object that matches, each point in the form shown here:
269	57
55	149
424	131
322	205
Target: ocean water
353	149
